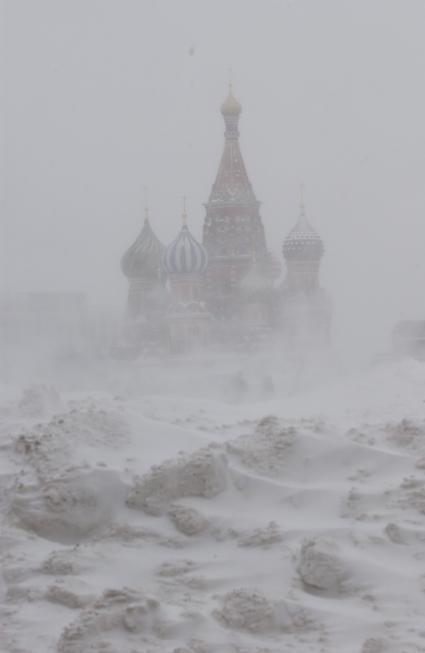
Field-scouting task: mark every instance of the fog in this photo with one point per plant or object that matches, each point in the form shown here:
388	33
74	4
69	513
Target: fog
198	455
101	99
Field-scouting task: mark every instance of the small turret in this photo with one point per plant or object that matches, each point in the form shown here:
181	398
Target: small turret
306	308
143	259
302	250
141	264
303	243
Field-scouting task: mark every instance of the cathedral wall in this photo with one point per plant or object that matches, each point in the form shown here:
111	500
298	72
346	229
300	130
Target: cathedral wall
302	275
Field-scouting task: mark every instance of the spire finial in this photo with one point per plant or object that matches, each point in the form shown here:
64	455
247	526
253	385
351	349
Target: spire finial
230	104
145	189
184	213
302	204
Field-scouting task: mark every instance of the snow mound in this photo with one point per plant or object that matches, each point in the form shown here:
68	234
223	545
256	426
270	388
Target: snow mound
123	620
93	423
394	533
177	568
375	645
60	563
49	448
127	534
187	520
47	453
261	537
120	610
406	434
248	610
201	474
69	508
251	611
38	401
57	593
198	646
411	495
320	566
266	450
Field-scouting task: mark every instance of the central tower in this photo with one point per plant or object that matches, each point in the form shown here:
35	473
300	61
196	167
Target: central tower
233	233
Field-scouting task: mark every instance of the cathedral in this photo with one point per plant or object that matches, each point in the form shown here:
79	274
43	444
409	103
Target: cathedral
227	290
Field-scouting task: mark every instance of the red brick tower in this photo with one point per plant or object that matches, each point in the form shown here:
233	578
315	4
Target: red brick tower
233	232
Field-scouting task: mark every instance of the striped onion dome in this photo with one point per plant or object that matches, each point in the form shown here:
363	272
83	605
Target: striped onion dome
143	259
185	255
303	243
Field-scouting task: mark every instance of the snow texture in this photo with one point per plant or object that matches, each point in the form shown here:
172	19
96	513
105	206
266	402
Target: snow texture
142	518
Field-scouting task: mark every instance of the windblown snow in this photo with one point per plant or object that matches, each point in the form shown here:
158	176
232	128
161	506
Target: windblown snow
189	511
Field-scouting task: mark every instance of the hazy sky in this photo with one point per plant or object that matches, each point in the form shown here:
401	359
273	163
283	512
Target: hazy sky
103	97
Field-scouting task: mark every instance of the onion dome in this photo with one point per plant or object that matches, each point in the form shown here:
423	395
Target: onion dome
185	255
230	105
303	243
143	259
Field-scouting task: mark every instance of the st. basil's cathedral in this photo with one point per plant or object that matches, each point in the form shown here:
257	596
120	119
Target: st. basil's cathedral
228	289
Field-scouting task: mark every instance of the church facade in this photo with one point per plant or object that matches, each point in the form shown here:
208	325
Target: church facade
227	290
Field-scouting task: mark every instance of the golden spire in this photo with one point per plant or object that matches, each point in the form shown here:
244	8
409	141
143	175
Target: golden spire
230	104
184	213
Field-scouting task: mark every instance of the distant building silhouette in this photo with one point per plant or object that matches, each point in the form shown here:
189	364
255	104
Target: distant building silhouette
227	289
306	310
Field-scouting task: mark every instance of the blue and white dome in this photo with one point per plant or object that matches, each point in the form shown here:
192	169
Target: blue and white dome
185	255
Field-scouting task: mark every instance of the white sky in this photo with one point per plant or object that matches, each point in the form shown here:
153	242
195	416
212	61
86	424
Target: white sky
102	97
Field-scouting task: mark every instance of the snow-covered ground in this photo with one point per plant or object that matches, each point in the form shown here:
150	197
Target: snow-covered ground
217	506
